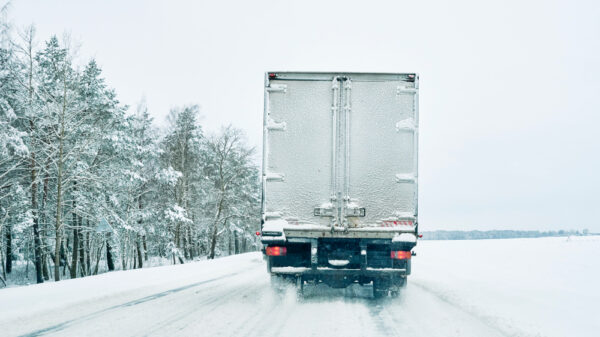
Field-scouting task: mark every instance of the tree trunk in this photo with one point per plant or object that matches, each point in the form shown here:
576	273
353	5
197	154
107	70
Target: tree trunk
98	256
177	235
213	242
88	252
145	248
213	236
63	256
27	255
46	252
75	251
36	230
137	237
2	263
123	257
9	249
183	199
59	181
230	245
58	225
82	258
139	253
109	256
45	270
190	245
235	243
185	243
34	187
75	256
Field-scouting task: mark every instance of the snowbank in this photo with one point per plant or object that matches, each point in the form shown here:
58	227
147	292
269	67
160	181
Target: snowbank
28	300
546	286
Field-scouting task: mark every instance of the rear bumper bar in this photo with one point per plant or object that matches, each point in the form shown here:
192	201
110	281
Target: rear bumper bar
325	271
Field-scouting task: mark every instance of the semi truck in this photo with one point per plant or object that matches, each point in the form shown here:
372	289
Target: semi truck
340	178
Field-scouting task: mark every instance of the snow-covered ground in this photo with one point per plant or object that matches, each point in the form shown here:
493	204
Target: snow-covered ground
516	287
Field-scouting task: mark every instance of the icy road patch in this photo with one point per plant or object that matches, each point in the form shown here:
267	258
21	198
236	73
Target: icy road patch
520	287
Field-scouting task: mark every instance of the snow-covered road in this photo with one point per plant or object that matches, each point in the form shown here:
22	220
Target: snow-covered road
494	290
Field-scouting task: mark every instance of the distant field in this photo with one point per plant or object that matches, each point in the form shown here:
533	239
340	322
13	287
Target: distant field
498	234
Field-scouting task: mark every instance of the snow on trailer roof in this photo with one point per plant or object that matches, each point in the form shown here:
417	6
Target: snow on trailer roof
326	76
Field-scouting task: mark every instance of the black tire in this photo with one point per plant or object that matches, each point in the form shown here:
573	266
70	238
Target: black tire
398	287
402	282
380	289
278	283
281	284
300	287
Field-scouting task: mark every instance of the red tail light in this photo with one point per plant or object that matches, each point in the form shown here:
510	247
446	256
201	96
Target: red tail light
257	233
277	251
400	255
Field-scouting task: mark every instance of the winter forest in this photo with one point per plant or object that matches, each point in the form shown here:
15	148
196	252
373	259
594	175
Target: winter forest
89	185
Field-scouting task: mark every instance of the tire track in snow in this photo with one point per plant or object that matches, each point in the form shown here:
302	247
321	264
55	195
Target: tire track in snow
209	305
170	320
488	321
68	323
285	312
382	319
250	324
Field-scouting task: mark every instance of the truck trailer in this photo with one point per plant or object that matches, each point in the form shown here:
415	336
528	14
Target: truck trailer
340	178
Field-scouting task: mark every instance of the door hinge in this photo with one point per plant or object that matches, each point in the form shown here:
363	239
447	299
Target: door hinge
406	124
402	89
273	125
324	211
271	176
405	178
277	88
356	211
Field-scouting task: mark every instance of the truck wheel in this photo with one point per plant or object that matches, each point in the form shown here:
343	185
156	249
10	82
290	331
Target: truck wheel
397	286
300	287
379	289
403	282
278	283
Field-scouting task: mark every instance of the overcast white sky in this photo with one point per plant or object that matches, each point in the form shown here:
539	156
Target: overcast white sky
509	106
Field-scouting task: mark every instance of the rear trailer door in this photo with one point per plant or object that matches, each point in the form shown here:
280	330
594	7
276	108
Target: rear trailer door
340	150
297	158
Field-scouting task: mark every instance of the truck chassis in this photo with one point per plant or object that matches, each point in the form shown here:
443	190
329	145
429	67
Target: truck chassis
340	262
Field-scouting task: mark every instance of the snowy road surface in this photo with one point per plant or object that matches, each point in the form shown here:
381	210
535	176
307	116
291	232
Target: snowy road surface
521	287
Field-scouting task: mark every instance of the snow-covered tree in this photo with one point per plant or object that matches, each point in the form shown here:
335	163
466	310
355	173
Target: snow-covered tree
14	152
87	186
231	179
181	152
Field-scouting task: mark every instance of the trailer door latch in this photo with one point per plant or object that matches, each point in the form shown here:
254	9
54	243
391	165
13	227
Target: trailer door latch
356	212
324	211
